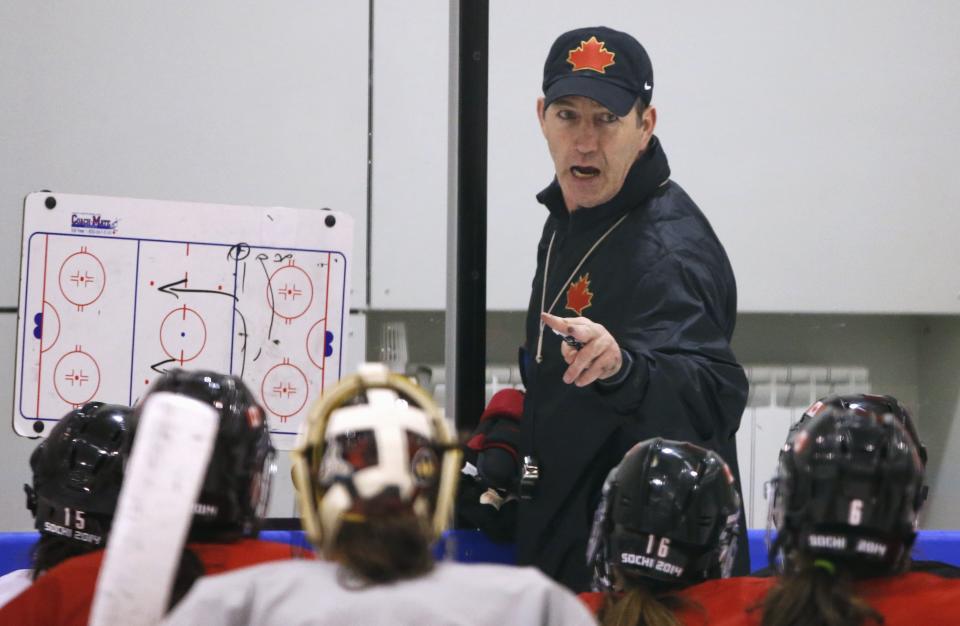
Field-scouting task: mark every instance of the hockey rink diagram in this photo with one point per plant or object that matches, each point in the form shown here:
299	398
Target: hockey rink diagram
102	316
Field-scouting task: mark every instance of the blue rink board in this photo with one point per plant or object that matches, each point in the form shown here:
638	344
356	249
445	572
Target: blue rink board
470	546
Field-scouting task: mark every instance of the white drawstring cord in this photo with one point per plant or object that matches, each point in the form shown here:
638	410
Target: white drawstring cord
546	267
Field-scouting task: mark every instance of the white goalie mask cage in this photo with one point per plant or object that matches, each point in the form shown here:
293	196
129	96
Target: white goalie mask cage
373	434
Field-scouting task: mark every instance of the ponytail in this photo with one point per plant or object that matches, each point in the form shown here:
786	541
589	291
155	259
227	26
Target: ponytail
639	606
382	549
816	592
52	550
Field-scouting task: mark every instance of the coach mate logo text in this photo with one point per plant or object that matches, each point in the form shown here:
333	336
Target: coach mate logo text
92	223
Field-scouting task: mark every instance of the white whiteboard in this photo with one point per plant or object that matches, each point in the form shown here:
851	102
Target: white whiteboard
114	291
408	225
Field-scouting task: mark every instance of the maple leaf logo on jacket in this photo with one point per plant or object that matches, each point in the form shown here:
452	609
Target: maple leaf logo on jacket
578	295
591	55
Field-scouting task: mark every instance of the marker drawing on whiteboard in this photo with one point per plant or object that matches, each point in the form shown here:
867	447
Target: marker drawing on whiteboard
171	288
238	252
263	257
243	348
156	366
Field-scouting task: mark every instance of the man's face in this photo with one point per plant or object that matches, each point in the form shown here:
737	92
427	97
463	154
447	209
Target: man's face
592	148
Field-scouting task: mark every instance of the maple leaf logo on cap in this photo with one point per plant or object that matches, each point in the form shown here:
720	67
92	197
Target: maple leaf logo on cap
591	55
578	295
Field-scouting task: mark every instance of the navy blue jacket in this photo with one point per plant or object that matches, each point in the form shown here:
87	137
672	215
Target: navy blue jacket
662	285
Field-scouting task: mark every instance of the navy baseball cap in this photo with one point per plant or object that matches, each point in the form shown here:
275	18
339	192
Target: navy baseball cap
599	63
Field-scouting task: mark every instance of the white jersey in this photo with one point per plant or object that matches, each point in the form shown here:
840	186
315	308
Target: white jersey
12	583
302	593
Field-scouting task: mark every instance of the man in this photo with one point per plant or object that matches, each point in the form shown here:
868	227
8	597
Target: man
630	272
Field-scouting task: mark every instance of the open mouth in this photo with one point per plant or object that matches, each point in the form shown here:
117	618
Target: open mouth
580	171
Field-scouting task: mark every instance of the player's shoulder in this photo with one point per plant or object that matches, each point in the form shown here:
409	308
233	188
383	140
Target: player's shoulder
263	576
518	579
911	584
222	557
916	597
525	572
740	589
264	546
277	567
593	600
523	594
76	566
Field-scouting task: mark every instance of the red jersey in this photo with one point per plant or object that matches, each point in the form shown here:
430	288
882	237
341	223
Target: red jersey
64	594
909	599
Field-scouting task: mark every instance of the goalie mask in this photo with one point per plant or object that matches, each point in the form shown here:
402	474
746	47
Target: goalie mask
669	514
78	472
850	489
374	444
236	488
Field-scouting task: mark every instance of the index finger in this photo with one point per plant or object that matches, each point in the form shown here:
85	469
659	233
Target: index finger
577	327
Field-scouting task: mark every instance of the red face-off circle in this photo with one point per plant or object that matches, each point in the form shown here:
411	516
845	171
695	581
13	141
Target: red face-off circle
183	334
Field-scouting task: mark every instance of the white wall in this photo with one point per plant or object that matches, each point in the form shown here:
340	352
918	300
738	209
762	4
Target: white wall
410	118
820	138
940	425
257	103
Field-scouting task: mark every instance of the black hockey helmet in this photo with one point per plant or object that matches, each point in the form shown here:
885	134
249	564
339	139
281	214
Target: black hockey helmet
236	489
870	403
78	472
849	489
668	513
